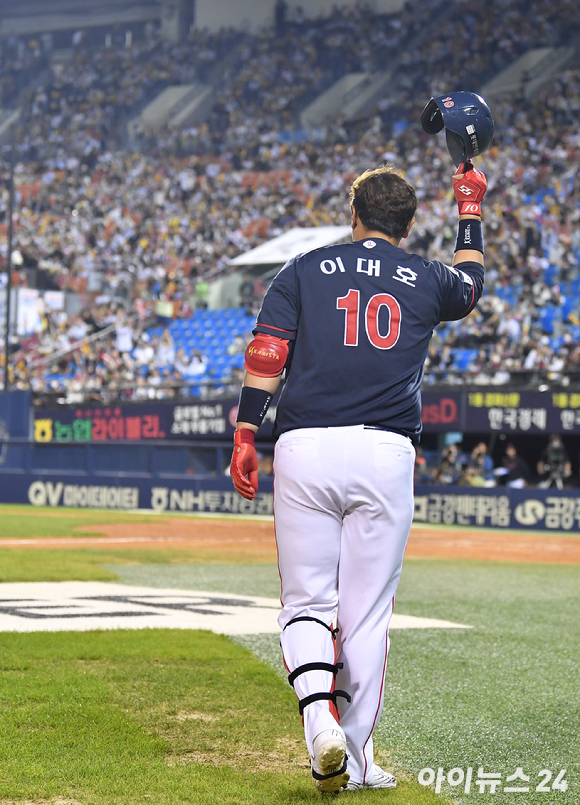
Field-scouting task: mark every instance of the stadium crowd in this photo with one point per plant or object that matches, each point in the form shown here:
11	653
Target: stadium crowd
134	226
476	466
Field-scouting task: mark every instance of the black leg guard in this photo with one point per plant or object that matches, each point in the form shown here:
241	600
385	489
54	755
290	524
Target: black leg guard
333	632
318	697
314	666
317	666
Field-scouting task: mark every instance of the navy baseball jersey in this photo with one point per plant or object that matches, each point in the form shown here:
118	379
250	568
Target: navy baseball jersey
359	318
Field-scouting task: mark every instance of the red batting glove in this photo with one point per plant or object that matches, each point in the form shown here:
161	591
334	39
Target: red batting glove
244	464
469	186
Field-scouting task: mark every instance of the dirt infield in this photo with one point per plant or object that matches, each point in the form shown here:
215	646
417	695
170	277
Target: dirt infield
255	540
497	546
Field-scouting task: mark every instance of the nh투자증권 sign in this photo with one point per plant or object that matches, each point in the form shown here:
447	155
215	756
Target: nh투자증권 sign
498	508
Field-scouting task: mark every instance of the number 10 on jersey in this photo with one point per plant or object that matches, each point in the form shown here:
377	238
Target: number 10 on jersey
351	304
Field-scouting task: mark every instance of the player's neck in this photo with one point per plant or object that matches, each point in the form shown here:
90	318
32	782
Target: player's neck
362	233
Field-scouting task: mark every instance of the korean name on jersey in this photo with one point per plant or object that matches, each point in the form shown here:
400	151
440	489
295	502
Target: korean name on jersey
359	318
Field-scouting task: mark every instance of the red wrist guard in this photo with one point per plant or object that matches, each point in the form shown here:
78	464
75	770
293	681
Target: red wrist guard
244	436
469	207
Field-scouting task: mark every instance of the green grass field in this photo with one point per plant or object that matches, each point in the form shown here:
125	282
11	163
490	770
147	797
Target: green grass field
172	716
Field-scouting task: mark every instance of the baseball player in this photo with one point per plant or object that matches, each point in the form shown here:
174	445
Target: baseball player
350	326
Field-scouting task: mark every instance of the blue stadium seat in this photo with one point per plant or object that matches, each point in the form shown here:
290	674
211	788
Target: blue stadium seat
546	319
550	274
463	357
567	308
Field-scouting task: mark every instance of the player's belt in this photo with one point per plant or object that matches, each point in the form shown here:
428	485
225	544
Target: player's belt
388	430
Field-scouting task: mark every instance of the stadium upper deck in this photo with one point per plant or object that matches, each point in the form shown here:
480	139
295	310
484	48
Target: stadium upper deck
98	218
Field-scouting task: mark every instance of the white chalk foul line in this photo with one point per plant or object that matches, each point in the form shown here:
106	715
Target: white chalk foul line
79	606
50	541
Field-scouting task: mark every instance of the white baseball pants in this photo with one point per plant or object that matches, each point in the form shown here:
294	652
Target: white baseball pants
343	507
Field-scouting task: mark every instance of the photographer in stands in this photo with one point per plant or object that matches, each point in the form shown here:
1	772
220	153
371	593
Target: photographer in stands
554	466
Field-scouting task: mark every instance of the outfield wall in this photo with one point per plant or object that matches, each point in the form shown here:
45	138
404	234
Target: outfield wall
501	507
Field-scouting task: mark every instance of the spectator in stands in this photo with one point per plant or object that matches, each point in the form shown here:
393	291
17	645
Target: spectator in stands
483	462
233	384
201	294
438	477
265	463
451	464
164	310
514	471
77	329
165	352
421	468
181	362
144	353
124	333
154	378
194	366
152	221
557	364
471	476
238	346
442	360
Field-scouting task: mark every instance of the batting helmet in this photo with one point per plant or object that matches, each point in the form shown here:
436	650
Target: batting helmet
468	123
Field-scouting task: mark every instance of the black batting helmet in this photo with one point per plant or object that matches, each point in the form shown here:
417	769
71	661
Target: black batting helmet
467	120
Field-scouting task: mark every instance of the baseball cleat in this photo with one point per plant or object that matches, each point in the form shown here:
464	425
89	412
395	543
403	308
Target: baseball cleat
380	779
329	762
